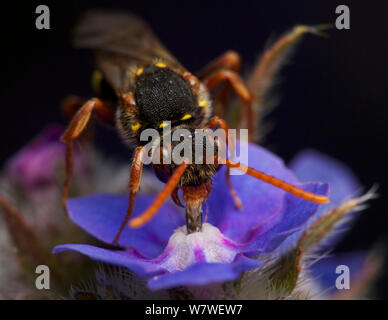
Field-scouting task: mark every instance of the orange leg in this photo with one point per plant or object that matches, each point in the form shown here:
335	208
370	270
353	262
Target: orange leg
213	122
71	104
75	128
161	198
309	196
239	87
218	122
230	60
69	107
134	184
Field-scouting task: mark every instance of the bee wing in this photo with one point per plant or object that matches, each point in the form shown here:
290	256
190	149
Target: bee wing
120	40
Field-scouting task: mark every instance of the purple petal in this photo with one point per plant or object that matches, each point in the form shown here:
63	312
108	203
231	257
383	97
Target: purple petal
295	217
34	166
262	203
101	215
204	273
126	258
197	274
310	165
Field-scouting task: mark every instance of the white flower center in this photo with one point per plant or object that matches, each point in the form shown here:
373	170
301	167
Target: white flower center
209	245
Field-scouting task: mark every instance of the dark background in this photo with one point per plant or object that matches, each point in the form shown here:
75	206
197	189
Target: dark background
334	90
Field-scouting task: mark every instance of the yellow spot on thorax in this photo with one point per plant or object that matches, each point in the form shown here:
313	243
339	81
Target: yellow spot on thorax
202	103
139	71
186	116
135	126
160	64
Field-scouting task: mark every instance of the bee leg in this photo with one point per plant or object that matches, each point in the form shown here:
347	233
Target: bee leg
218	122
75	128
134	184
70	105
239	87
233	192
213	122
229	60
161	198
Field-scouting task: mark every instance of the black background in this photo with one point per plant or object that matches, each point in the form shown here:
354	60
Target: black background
334	91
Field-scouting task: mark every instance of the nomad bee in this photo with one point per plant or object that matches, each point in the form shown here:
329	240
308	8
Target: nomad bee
139	85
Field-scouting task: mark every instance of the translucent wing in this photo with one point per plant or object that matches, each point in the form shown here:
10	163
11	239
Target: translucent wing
120	40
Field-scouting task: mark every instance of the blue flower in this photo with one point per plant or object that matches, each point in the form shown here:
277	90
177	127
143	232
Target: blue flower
230	241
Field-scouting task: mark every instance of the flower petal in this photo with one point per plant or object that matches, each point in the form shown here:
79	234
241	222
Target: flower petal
262	203
296	215
197	274
311	165
204	273
101	215
34	165
126	258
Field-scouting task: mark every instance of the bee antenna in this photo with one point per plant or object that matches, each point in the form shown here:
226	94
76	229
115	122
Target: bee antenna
276	182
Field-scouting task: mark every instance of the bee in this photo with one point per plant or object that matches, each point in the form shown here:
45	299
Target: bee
140	85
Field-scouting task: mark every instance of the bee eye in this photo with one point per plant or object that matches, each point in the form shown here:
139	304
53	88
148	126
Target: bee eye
186	117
